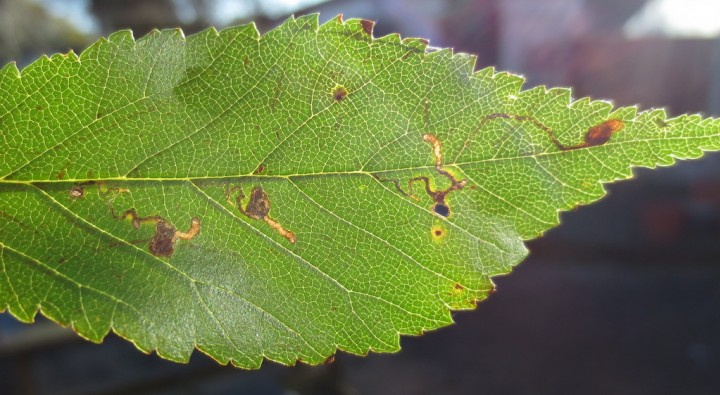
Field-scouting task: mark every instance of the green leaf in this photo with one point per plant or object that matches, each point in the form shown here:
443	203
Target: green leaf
135	183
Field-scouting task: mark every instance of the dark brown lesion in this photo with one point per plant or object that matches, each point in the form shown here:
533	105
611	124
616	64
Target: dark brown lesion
257	208
339	93
367	26
595	136
600	134
163	242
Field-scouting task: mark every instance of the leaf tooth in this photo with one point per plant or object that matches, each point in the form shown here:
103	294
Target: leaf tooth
11	70
121	37
311	21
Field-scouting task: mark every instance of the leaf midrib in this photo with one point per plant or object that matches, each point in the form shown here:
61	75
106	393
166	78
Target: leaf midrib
350	172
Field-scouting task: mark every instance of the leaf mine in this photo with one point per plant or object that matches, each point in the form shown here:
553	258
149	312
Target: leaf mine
163	241
440	207
595	136
258	208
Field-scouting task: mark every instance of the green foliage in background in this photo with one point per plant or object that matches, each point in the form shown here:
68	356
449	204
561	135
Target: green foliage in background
287	195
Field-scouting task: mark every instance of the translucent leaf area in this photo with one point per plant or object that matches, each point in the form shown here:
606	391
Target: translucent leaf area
287	195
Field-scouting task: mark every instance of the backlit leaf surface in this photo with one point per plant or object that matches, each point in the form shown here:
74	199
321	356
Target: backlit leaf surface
120	172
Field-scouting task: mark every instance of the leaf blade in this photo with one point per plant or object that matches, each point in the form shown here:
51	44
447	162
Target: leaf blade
330	122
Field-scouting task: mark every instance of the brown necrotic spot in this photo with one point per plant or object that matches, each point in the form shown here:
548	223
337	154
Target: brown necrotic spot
260	169
600	134
438	232
367	26
162	242
77	192
339	93
259	205
457	289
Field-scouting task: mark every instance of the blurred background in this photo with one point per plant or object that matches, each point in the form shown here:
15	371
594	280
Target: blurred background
624	298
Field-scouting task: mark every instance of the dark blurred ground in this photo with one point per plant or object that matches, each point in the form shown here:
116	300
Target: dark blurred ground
623	298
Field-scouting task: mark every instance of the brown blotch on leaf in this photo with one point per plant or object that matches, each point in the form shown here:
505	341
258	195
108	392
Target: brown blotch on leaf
77	192
259	205
339	93
457	289
162	242
39	108
367	26
260	169
600	134
438	232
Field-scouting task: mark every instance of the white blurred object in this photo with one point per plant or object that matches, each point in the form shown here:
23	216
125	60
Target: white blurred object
675	18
